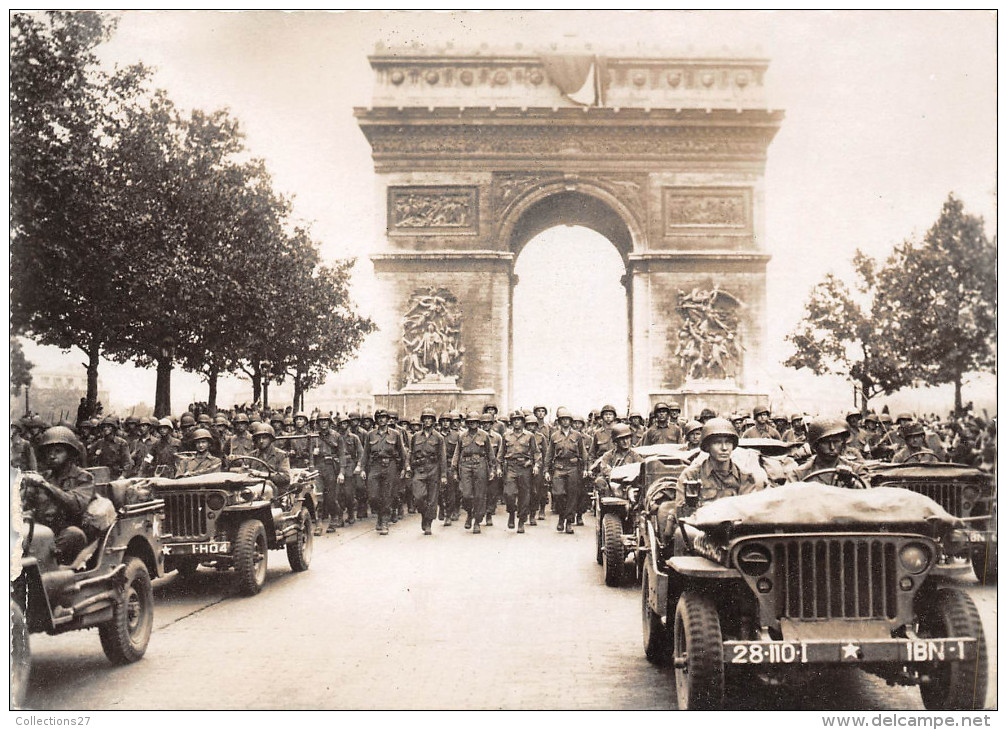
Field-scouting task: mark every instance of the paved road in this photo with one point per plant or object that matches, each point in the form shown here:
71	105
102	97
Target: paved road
498	620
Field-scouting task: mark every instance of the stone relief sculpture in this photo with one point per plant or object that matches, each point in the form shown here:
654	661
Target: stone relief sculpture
431	337
708	345
432	209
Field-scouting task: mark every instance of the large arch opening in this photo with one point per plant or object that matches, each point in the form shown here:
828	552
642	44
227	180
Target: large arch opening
570	324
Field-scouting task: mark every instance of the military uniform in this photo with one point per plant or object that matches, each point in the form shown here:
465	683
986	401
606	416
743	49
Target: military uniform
64	514
161	455
566	460
328	462
449	495
812	465
656	434
299	449
610	459
495	487
540	495
761	431
384	457
522	460
926	456
278	462
113	453
351	493
190	466
428	465
22	455
473	461
240	444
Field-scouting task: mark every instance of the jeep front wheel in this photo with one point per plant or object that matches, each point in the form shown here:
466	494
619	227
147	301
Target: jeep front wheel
953	685
299	551
984	563
614	557
655	633
598	542
250	557
699	654
20	657
125	636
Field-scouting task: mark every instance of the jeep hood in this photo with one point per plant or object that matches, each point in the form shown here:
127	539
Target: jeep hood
809	504
219	480
935	472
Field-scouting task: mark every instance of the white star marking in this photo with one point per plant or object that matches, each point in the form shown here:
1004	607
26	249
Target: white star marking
167	549
850	651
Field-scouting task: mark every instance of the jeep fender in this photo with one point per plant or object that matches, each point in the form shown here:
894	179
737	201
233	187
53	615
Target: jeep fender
696	566
140	547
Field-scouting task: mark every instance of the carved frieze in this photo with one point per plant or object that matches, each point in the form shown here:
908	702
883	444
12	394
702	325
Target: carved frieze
708	345
510	186
433	210
431	337
706	208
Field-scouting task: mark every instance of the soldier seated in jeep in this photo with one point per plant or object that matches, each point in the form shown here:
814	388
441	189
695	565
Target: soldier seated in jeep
201	462
58	497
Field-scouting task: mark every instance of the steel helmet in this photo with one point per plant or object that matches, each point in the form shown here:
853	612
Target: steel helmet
635	414
608	407
204	418
301	414
486	417
428	413
690	427
166	423
149	420
393	415
759	409
717	427
542	407
661	406
904	416
276	418
914	428
706	414
563	412
132	419
241	418
456	415
62	435
220	420
445	416
201	434
821	428
472	416
110	421
323	417
872	418
621	431
518	414
379	413
187	420
354	416
852	413
674	406
263	428
530	421
800	417
490	405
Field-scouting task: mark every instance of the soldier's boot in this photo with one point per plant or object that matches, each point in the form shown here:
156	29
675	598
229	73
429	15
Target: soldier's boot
440	512
520	526
489	519
332	526
384	528
362	512
350	519
475	529
339	520
426	527
510	521
531	519
468	521
394	516
559	525
580	520
541	513
318	529
569	527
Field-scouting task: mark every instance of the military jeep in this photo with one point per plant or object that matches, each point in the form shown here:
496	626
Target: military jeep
107	585
760	587
232	519
964	491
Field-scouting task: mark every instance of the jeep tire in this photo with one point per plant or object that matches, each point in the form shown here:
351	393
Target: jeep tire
656	646
20	657
299	551
984	562
250	557
599	542
614	557
953	685
125	636
699	653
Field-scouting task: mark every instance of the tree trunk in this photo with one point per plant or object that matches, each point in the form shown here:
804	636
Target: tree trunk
958	394
93	354
298	393
256	385
211	396
265	393
27	405
162	391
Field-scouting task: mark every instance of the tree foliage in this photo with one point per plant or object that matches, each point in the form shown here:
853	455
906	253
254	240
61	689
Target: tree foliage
839	335
939	299
20	367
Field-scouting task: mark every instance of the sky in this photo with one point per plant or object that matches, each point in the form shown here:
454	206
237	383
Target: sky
886	113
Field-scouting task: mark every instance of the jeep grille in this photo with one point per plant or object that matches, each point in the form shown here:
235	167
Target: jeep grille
840	577
185	514
947	495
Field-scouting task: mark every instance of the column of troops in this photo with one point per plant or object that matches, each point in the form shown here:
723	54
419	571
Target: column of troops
442	464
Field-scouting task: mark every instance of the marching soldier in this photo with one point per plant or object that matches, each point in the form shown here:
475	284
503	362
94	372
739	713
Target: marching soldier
202	462
663	431
326	454
494	425
495	488
601	440
473	462
637	428
299	448
110	450
240	443
351	452
762	429
161	459
544	426
384	462
521	458
398	507
449	495
540	494
566	468
427	466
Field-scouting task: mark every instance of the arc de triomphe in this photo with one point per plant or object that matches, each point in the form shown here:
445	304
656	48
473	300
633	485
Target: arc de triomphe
477	153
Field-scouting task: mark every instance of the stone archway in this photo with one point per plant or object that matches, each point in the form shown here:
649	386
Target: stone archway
475	154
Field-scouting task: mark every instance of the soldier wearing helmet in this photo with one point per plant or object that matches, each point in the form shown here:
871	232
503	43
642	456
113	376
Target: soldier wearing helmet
915	450
494	425
763	428
693	434
487	421
797	433
202	461
827	438
619	454
160	459
601	440
22	455
240	442
111	450
449	496
58	496
663	431
541	413
473	462
638	429
427	468
352	493
539	496
566	468
716	475
276	460
299	448
738	421
858	436
521	461
326	451
383	465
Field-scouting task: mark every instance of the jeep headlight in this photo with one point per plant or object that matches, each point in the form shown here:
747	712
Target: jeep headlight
754	560
215	501
247	494
914	557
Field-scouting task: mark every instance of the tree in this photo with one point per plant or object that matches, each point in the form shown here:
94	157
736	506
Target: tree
20	367
839	335
69	258
938	299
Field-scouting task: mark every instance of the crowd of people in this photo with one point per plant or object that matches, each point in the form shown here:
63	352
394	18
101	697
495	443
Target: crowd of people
440	464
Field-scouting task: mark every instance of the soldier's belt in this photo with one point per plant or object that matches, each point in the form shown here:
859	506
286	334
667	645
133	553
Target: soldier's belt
473	458
383	459
519	460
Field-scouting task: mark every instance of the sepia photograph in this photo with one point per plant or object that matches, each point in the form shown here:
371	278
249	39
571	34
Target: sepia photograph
503	360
